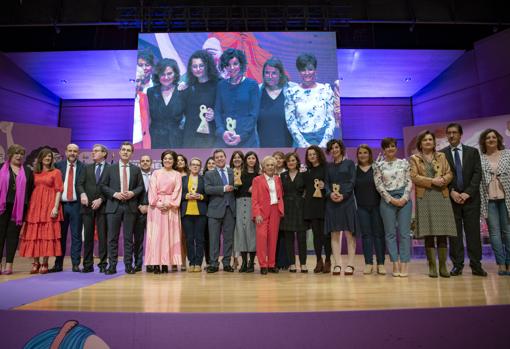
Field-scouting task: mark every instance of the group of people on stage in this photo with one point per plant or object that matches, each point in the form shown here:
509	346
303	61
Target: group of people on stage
185	210
202	110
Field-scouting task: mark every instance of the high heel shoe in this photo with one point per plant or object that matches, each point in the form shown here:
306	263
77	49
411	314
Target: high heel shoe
7	271
35	268
44	268
156	269
164	269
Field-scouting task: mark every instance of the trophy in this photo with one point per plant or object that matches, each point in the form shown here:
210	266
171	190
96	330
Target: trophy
231	124
317	184
193	189
204	125
336	188
237	177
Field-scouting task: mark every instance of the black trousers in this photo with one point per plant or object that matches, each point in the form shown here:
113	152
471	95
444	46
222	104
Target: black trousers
139	234
319	239
289	246
9	233
467	220
91	220
124	216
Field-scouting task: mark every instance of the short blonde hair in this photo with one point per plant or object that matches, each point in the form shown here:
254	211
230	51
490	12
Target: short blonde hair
266	159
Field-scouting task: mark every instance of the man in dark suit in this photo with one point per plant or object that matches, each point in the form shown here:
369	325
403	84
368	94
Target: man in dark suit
141	219
219	186
465	197
71	169
121	184
93	208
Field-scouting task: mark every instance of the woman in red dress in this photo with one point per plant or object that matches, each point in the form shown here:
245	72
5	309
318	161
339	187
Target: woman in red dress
41	232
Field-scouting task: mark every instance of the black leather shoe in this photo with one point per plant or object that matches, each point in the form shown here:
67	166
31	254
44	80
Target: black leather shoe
273	270
149	269
479	272
102	269
157	269
76	269
138	268
228	269
164	269
211	270
130	270
55	269
111	271
87	270
263	271
456	271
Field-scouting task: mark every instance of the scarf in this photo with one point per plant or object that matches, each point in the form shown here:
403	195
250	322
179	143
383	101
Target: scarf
19	198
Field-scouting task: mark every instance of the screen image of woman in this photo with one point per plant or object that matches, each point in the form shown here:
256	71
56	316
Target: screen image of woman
309	106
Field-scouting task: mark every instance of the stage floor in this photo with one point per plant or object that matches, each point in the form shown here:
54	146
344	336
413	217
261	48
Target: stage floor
238	292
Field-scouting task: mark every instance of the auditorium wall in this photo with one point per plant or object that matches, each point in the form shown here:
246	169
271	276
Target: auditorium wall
23	100
476	85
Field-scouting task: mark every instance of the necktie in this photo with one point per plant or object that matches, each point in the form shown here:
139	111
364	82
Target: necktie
98	172
146	181
125	186
223	176
70	183
458	170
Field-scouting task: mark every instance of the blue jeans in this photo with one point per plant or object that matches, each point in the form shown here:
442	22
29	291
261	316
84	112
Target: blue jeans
372	234
401	216
499	231
194	228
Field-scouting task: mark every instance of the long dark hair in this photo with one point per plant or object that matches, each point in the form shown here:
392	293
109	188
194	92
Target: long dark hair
212	72
38	168
257	163
320	155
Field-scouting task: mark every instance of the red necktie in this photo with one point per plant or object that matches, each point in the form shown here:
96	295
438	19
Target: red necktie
125	186
70	183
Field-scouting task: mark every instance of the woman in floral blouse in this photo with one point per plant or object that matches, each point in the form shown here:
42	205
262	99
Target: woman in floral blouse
393	181
309	106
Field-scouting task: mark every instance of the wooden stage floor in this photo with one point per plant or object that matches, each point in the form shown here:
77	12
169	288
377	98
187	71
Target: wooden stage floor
283	292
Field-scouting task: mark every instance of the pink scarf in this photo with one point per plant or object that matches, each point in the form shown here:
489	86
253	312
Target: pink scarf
19	198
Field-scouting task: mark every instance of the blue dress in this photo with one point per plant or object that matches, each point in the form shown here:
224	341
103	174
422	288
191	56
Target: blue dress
341	216
240	102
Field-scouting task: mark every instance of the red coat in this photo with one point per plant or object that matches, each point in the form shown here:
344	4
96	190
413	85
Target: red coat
260	199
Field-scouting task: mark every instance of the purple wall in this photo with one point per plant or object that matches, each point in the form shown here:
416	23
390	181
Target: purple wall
106	121
368	120
23	100
476	85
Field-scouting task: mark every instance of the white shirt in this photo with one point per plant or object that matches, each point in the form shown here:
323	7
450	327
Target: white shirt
272	189
452	149
64	194
121	170
146	178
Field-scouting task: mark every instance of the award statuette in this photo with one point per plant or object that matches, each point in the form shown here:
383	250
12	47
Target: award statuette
230	124
237	177
193	189
336	188
317	184
204	125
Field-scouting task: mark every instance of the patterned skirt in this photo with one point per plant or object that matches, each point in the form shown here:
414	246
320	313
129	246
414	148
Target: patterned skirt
245	233
434	215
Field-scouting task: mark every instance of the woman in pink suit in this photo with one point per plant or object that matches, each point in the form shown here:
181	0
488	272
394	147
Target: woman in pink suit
267	209
163	239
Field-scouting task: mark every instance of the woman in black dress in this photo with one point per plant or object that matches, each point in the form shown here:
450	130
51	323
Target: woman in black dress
293	222
271	124
166	106
200	97
315	195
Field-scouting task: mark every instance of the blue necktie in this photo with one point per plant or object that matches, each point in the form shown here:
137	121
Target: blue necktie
98	172
223	176
458	170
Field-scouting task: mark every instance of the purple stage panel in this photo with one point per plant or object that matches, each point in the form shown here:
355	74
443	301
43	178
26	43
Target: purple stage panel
16	293
463	327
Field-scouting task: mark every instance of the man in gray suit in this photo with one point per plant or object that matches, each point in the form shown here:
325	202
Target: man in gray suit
219	186
121	184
